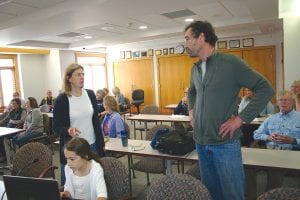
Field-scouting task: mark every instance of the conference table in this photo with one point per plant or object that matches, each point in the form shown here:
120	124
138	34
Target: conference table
6	134
156	118
252	158
170	107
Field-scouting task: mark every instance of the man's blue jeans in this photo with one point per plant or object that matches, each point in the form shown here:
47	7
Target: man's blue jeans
222	170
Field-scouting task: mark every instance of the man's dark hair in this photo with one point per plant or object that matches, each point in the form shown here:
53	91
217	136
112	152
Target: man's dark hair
17	100
206	28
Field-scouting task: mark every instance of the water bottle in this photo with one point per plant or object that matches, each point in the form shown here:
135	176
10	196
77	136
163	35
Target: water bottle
124	138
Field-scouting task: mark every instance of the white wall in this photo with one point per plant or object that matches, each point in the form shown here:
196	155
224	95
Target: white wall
32	70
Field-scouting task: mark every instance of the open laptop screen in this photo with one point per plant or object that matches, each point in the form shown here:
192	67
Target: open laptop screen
28	188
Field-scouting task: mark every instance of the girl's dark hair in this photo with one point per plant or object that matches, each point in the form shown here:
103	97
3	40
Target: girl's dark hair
198	27
82	148
33	102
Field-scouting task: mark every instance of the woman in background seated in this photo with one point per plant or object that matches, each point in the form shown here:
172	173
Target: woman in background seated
112	124
120	99
296	91
84	175
268	110
33	124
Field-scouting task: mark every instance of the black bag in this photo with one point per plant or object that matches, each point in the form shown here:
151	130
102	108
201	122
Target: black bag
176	142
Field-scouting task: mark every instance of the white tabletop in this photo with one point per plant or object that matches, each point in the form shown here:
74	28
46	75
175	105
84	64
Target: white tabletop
269	158
266	158
4	131
164	118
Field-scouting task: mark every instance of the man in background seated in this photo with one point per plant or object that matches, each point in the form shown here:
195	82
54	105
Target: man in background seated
295	88
16	95
280	131
48	100
268	110
182	107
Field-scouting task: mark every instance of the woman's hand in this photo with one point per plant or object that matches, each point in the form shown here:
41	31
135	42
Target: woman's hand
73	132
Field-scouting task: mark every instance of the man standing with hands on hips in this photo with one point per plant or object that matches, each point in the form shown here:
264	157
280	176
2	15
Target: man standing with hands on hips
213	97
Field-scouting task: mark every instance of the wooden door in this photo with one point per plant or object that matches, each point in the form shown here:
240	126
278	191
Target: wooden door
173	77
135	74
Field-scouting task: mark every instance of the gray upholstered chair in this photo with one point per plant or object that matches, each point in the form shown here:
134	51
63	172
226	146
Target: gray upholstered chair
150	164
194	171
116	178
149	110
283	193
33	160
178	186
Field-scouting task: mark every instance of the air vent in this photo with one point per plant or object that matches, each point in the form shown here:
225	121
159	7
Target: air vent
70	34
3	2
179	14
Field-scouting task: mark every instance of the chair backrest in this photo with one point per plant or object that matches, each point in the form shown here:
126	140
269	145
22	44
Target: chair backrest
116	178
31	160
283	193
150	109
178	186
137	94
46	123
152	131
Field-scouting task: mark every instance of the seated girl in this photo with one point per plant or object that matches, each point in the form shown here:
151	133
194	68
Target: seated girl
112	124
84	175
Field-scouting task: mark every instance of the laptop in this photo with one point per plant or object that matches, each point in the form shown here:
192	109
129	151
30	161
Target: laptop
28	188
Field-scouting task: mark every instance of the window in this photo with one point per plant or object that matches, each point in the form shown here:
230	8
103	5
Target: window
8	78
94	69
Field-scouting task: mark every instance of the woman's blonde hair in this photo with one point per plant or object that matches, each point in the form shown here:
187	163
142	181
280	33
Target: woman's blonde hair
68	73
111	102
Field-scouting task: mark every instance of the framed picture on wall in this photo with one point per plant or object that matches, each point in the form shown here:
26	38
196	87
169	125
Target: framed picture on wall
136	54
165	51
248	42
143	53
122	55
234	43
171	50
128	54
222	44
158	52
150	52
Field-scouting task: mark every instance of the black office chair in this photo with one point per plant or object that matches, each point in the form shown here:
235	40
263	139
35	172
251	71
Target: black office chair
137	98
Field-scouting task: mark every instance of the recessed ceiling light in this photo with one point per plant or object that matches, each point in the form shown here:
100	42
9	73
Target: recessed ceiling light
87	37
189	20
143	27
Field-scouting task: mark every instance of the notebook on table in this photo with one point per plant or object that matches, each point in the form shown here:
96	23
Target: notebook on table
28	188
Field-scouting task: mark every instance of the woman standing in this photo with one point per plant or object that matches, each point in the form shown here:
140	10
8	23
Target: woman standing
75	114
33	124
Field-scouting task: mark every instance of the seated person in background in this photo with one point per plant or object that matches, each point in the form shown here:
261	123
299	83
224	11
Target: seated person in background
84	175
296	91
16	117
268	110
106	91
120	99
182	107
33	124
48	100
280	131
112	124
100	94
16	95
